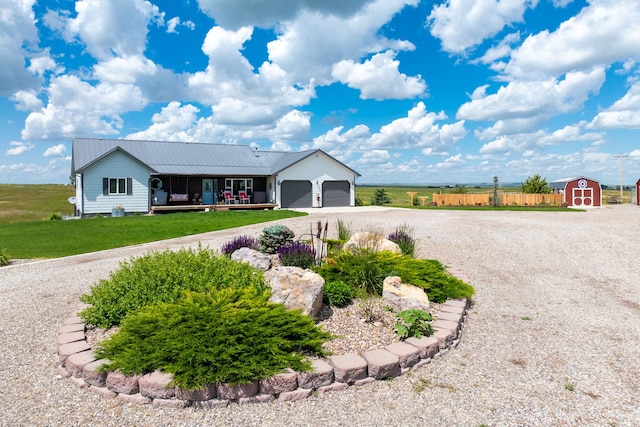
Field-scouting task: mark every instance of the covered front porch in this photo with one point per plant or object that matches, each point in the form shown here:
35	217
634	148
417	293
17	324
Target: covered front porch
211	208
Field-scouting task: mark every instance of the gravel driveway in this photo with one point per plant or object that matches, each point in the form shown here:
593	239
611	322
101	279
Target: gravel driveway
552	339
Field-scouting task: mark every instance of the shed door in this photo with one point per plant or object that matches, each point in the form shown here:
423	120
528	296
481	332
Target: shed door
296	194
336	193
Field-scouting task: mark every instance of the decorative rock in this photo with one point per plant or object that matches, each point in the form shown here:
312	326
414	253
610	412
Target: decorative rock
427	346
382	364
261	398
252	257
137	399
321	374
333	387
210	404
452	309
287	381
66	350
453	317
235	392
365	381
401	296
73	320
76	362
444	336
408	355
123	384
445	324
207	393
68	337
170	403
92	375
296	288
372	241
348	368
290	396
156	385
103	391
75	327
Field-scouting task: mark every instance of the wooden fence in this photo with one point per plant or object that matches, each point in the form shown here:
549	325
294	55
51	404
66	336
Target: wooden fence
504	199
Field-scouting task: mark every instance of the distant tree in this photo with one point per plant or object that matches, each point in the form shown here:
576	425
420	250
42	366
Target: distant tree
535	185
380	197
460	189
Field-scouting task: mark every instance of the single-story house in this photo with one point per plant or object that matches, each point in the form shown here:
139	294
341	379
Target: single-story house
135	175
579	192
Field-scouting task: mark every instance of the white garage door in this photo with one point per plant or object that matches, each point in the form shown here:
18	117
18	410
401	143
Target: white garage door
296	194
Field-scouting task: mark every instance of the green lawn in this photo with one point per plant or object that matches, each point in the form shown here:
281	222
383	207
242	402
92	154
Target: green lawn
52	239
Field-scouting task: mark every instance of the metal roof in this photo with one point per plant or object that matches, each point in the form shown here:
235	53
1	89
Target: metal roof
187	158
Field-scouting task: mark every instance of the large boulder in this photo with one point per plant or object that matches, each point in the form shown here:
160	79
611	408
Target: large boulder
252	257
296	288
372	241
401	296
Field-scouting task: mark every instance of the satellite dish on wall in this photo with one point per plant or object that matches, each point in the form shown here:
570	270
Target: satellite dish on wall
72	200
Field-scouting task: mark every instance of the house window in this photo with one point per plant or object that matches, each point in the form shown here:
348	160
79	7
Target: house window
238	184
116	186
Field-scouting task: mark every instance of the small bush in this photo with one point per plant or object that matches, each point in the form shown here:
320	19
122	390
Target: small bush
402	237
162	277
370	309
344	233
413	323
240	242
273	237
337	294
297	254
4	258
232	336
54	217
380	197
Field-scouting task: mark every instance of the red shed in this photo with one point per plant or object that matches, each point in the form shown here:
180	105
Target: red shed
579	192
638	192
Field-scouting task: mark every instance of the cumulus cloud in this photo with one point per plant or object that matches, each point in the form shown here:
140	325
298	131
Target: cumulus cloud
19	33
172	123
18	148
175	22
111	28
462	24
238	13
379	78
534	141
56	150
623	114
26	100
530	99
604	32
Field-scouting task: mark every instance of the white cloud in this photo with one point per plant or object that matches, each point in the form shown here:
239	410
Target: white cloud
173	123
307	47
538	140
18	148
379	78
56	150
531	99
237	13
173	23
112	28
76	107
624	113
462	24
604	32
41	64
17	21
418	130
26	100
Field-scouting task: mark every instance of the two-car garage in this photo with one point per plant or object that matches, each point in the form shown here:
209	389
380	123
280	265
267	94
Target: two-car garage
299	194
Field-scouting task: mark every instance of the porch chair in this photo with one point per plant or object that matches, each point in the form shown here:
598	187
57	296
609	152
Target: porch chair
244	198
229	198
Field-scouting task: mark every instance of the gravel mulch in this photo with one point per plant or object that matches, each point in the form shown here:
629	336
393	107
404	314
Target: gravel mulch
552	337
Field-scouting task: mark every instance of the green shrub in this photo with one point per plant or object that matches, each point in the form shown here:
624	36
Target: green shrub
366	271
4	258
54	217
232	336
337	294
273	237
413	323
380	197
297	254
162	277
344	233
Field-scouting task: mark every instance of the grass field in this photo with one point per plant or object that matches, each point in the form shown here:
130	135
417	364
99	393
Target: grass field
19	203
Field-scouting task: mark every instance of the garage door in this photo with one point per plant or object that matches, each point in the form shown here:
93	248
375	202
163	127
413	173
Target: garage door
336	193
296	194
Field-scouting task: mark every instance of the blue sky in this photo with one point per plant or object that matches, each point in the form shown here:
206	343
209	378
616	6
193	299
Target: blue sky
403	91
